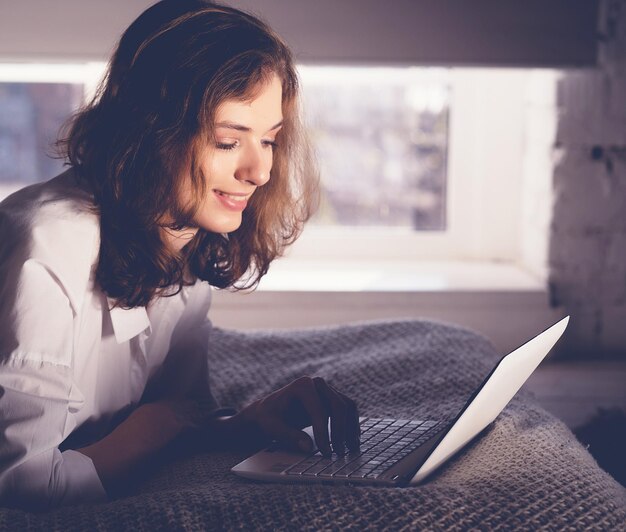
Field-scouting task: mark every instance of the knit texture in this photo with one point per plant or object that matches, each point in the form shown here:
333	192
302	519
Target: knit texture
527	472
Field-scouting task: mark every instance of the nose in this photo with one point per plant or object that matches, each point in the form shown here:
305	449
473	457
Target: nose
255	166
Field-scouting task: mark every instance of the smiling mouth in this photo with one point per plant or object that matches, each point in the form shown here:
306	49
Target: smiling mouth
232	202
234	197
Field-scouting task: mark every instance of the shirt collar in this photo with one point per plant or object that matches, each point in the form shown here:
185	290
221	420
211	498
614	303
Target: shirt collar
128	323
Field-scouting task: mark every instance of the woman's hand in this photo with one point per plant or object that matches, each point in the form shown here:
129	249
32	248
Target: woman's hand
306	401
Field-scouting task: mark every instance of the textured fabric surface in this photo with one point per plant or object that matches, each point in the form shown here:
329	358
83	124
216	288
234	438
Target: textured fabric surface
527	472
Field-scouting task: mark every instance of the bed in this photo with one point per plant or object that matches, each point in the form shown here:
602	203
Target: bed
527	472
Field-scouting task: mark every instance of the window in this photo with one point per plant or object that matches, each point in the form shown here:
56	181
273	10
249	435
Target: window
448	156
381	136
35	101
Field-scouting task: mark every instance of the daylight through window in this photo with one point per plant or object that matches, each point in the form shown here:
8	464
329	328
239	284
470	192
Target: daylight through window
381	136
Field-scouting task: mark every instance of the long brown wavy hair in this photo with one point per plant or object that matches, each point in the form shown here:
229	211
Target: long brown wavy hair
155	107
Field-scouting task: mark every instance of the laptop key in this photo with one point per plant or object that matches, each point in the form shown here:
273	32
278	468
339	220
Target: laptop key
361	472
317	468
335	468
358	463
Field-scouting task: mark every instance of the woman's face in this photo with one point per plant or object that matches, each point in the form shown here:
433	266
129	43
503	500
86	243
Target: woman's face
238	162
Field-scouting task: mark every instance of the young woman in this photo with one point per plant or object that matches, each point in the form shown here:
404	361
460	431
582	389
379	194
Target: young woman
188	169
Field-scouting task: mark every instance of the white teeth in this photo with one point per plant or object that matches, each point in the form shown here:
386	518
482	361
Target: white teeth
234	198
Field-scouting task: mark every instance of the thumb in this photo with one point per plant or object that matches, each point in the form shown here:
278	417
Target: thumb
305	443
294	438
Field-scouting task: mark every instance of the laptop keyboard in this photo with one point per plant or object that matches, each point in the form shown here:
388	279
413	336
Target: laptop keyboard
384	442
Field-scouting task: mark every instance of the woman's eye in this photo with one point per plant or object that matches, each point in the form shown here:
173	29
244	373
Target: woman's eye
226	145
270	143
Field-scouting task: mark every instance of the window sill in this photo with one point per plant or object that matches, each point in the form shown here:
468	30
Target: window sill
291	275
502	301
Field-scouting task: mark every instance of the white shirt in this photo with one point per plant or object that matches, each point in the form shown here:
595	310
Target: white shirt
66	360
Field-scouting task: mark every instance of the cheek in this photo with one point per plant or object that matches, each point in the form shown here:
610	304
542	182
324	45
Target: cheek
269	160
212	171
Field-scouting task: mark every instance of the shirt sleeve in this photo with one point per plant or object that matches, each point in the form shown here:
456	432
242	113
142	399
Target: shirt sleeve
37	393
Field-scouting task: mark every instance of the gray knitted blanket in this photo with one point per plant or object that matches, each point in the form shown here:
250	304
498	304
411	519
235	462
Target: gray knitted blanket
528	472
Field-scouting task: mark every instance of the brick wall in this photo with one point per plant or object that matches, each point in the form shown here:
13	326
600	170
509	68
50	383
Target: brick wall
587	247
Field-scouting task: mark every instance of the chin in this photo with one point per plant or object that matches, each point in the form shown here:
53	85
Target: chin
221	225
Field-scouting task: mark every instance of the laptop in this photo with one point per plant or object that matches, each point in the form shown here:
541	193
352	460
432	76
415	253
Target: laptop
401	452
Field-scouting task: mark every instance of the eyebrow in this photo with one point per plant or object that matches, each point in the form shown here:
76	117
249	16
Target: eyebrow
239	127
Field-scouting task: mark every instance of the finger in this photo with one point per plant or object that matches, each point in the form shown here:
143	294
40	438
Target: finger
353	427
305	390
337	414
